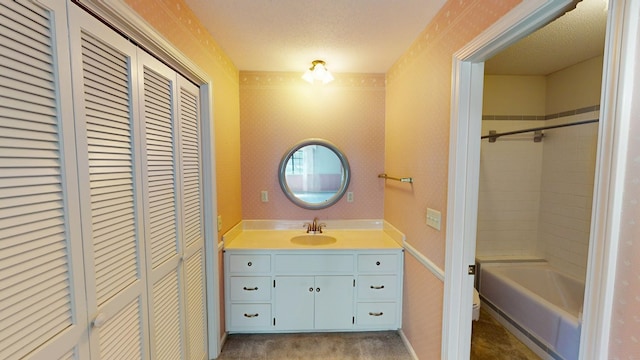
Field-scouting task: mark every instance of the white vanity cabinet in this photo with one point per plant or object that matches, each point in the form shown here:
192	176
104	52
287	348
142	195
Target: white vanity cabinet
313	290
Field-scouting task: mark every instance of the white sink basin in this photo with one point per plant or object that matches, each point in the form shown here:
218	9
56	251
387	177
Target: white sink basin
313	239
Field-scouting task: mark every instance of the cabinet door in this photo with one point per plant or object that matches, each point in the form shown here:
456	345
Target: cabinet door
110	187
333	302
43	302
307	302
294	302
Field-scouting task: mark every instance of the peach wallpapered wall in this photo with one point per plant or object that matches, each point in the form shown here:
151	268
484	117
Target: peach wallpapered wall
624	340
278	110
418	106
179	25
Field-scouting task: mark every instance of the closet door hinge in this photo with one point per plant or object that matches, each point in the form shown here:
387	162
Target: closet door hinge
472	269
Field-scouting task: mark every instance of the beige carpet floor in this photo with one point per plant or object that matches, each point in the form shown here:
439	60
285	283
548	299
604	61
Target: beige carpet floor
385	345
491	341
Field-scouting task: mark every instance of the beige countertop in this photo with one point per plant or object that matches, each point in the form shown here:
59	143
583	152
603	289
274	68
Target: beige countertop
281	240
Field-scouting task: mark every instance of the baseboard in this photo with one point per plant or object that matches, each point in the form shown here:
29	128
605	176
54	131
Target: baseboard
407	344
223	339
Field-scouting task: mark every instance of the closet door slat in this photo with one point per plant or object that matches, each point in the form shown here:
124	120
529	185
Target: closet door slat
105	69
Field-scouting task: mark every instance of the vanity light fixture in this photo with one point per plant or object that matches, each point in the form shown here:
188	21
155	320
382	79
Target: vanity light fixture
318	71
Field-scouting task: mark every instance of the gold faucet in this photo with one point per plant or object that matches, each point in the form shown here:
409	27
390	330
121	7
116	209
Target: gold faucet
314	227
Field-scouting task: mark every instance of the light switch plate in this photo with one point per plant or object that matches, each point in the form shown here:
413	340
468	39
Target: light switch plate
349	196
264	196
433	218
219	222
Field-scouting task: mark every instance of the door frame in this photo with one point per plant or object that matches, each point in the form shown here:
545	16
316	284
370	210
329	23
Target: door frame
119	15
464	165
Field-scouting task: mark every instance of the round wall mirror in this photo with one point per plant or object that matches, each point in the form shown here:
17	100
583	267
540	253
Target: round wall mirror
314	174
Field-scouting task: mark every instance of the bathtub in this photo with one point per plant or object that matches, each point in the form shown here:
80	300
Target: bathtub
541	303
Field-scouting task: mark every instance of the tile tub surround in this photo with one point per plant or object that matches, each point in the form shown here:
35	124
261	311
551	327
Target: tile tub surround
535	198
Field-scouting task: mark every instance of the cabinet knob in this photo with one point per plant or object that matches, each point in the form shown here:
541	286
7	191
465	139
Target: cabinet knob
249	263
378	263
317	289
310	289
377	287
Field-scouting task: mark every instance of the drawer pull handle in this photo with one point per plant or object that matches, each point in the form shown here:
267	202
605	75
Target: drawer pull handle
376	313
249	263
250	289
255	315
377	287
377	263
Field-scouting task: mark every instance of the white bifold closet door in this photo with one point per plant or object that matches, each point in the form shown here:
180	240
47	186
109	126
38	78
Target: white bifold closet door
138	136
42	292
105	92
172	188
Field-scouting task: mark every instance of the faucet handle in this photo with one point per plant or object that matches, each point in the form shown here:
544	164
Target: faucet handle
320	226
308	226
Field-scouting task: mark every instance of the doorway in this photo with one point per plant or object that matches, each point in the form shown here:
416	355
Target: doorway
536	187
468	73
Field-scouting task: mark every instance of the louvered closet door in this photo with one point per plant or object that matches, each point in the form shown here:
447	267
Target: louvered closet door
161	202
42	295
172	206
192	214
110	186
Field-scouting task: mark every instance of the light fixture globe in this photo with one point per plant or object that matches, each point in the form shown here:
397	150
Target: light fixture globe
318	72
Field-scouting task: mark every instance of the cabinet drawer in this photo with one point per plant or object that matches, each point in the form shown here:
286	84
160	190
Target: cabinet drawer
378	263
250	263
244	316
377	287
250	288
377	314
315	264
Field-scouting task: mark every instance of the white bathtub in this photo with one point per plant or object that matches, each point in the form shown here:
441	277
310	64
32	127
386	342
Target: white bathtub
540	302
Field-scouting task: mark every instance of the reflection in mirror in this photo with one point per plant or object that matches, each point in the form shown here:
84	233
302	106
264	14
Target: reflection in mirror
314	174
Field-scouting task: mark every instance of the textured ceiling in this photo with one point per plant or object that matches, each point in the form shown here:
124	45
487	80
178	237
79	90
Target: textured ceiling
360	36
574	37
368	36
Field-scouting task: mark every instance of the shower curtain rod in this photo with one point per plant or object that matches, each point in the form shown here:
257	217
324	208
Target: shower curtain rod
497	135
